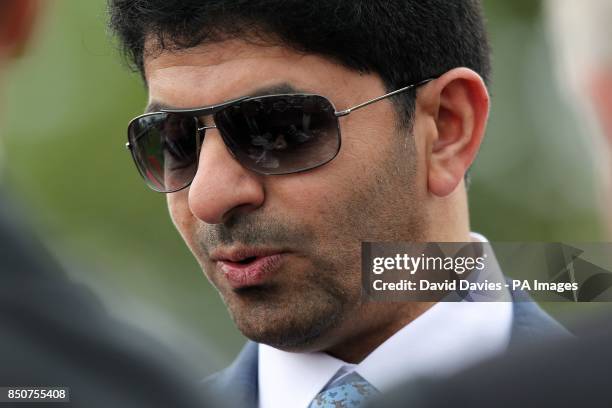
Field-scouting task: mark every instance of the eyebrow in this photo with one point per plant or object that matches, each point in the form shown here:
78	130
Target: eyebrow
282	88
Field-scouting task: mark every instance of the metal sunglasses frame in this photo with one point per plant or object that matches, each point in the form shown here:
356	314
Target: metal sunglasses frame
213	109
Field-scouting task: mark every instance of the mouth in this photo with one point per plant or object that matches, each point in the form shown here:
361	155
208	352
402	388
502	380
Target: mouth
248	267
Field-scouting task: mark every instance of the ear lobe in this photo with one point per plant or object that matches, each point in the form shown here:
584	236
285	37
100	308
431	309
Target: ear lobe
461	116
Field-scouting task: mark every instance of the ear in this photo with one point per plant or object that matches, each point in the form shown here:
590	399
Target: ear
16	22
458	102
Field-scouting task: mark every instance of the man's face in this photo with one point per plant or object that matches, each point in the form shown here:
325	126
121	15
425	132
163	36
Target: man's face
307	227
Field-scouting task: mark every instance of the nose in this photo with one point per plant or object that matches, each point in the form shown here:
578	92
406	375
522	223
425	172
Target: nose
221	185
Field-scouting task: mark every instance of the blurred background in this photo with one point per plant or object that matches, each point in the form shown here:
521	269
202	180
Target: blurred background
68	100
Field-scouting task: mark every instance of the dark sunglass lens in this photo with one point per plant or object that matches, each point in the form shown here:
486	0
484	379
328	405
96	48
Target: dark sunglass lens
281	134
165	149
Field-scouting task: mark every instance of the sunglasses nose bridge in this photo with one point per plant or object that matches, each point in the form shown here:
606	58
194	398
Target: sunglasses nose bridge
201	131
205	122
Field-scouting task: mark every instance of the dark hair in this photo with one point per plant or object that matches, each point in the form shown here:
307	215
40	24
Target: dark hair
403	41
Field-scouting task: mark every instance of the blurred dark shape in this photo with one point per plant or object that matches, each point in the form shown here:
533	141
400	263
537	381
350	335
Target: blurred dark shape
572	372
55	332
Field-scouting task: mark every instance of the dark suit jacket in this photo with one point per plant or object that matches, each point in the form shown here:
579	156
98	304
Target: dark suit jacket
530	325
562	373
55	332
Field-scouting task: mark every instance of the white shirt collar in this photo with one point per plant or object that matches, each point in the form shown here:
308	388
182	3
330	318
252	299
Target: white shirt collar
447	338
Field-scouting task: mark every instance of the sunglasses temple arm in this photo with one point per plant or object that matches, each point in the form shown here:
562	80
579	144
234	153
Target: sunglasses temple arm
371	101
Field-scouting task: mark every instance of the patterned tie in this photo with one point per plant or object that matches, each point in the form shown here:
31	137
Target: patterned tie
349	391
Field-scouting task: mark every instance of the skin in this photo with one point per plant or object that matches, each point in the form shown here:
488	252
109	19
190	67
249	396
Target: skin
17	20
16	24
599	91
386	184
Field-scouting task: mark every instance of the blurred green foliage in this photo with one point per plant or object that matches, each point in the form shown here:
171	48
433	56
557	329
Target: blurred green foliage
66	106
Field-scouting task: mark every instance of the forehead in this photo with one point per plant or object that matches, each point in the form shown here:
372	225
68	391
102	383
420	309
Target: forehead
211	73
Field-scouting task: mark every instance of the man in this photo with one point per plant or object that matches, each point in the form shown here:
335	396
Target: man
570	372
246	104
580	32
55	332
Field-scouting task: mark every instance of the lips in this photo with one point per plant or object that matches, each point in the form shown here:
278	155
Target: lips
247	267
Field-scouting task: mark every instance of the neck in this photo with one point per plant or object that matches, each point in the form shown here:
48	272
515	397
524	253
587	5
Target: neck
355	348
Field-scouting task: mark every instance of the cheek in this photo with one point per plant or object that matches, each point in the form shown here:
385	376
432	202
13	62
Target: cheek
178	207
303	199
322	196
324	200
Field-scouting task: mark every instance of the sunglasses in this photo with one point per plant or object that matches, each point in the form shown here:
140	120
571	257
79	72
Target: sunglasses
270	135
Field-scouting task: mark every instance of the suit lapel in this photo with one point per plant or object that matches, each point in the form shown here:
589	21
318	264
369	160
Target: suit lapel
237	385
530	323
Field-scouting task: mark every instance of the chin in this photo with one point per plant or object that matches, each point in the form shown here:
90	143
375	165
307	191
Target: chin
287	328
